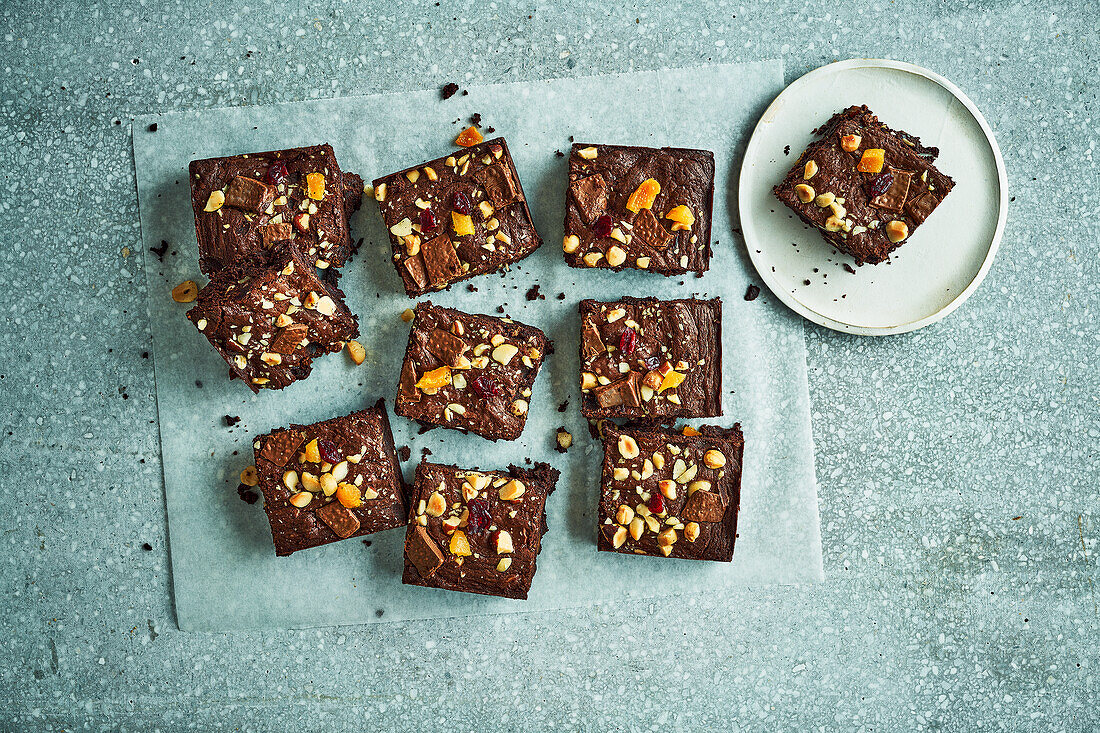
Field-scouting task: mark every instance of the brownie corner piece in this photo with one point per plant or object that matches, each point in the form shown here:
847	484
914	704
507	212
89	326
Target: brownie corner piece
245	204
671	493
269	321
470	372
477	531
329	481
864	186
455	217
651	360
643	208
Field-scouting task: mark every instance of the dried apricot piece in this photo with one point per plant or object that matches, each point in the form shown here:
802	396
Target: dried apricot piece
682	217
434	380
463	224
185	292
313	452
643	195
348	495
315	186
691	432
460	546
672	380
872	160
470	136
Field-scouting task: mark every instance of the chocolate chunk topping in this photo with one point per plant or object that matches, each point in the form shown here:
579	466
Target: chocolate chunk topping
921	207
446	347
894	196
415	267
497	181
703	506
288	339
423	552
440	260
406	389
281	446
622	392
273	233
249	194
593	345
649	231
341	519
590	193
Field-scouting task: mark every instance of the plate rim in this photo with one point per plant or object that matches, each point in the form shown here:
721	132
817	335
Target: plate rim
819	318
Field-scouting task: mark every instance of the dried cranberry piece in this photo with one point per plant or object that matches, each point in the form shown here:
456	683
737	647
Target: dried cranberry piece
652	362
628	341
881	183
427	220
486	387
461	203
276	173
602	227
656	504
327	450
479	518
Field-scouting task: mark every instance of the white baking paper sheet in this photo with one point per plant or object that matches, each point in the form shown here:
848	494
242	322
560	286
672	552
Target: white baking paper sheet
225	572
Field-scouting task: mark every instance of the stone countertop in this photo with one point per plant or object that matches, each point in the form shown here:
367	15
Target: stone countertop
958	465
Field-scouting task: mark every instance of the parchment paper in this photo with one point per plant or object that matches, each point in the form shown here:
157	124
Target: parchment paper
225	572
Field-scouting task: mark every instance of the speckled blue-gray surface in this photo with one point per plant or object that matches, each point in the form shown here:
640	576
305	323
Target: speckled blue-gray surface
958	465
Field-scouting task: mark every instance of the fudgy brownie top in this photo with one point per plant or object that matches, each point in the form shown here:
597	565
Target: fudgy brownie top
244	204
645	208
477	531
671	493
331	480
269	321
865	186
455	217
650	359
470	372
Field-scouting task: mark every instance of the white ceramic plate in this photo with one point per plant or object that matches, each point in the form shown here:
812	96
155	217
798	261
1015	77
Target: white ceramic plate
946	259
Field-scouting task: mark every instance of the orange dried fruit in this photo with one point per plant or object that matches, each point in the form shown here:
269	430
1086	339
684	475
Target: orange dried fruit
460	546
315	186
313	452
643	195
464	225
185	292
872	160
434	380
682	217
691	432
672	380
469	136
348	495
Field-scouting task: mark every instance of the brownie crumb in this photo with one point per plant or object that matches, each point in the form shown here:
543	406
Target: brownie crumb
849	268
247	495
465	92
153	127
230	420
379	613
475	119
161	250
786	150
490	129
561	296
404	452
500	309
805	282
449	90
534	294
367	543
752	293
145	355
146	546
559	153
470	287
425	452
563	406
424	427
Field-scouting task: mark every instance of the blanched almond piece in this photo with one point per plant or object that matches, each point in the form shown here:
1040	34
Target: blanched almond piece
512	490
301	499
714	458
625	515
504	543
628	447
436	504
356	351
619	537
637	527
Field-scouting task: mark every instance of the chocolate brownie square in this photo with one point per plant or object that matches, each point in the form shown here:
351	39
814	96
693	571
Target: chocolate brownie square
477	531
671	493
331	480
651	360
456	217
470	372
864	186
269	321
244	204
644	208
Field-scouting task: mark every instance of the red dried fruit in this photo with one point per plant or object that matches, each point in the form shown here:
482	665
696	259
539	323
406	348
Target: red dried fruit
427	220
485	387
479	517
628	341
327	450
461	203
602	227
881	183
276	173
656	504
